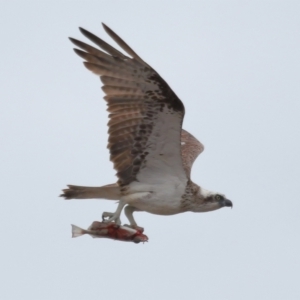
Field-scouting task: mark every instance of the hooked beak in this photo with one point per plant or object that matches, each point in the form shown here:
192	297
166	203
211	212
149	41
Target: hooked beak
227	202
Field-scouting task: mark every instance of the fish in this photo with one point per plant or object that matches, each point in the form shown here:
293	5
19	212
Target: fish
111	230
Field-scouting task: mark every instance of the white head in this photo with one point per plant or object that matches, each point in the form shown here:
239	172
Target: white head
209	201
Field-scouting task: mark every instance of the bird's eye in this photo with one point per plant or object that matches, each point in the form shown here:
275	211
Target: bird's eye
218	197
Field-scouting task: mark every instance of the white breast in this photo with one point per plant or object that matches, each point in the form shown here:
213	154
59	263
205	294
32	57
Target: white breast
162	198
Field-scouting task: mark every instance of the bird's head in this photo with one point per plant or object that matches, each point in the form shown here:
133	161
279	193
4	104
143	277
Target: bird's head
208	201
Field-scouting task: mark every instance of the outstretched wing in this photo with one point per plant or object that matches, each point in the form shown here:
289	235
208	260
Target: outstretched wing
145	114
190	149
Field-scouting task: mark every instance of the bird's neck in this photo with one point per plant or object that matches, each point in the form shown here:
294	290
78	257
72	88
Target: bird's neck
188	199
194	197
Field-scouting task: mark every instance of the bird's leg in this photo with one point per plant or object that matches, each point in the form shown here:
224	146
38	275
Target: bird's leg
114	216
129	210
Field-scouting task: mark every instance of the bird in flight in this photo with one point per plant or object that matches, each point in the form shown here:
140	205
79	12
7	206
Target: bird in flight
150	151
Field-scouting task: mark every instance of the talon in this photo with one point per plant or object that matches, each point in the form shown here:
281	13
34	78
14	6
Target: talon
108	217
114	219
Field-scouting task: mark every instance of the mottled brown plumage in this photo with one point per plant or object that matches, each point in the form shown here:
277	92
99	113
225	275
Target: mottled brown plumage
136	97
190	149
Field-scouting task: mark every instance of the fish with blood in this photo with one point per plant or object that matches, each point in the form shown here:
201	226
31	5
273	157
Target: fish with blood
111	230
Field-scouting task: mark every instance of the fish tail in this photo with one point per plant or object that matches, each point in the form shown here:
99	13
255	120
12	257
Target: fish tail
77	231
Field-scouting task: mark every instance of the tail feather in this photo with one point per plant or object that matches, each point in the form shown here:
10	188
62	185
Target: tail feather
110	192
77	231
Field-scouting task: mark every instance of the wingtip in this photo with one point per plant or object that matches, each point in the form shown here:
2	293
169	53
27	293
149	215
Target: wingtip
82	30
72	40
107	29
78	52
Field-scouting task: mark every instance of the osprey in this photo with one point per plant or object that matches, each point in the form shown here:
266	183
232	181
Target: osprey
151	153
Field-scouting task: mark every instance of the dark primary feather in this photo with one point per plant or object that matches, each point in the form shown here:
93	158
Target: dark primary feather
103	45
121	43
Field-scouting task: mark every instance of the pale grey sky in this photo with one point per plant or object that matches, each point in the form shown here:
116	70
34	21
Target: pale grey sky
235	65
